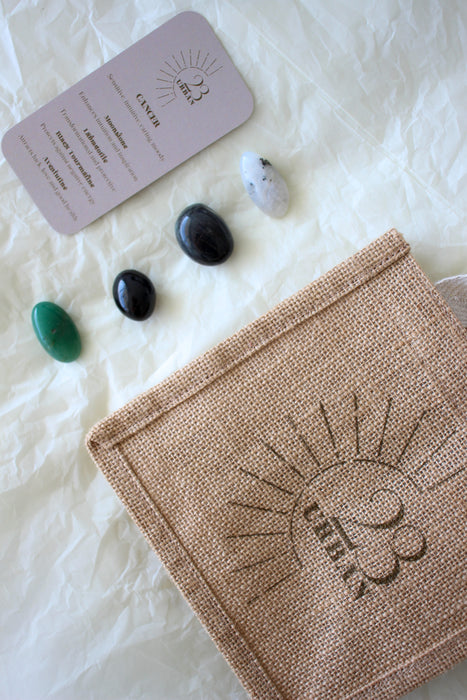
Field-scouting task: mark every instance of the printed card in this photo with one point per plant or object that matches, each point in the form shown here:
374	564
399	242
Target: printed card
125	125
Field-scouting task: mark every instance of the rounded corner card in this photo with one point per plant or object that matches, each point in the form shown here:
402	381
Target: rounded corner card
156	104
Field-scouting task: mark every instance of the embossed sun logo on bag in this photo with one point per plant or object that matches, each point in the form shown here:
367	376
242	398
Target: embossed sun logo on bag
369	543
355	508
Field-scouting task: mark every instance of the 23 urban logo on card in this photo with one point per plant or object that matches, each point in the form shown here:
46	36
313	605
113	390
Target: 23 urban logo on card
187	75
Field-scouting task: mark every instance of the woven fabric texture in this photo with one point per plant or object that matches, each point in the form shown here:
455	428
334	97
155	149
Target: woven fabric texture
303	483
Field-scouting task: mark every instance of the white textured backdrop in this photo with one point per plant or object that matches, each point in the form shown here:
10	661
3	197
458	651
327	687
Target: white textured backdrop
362	106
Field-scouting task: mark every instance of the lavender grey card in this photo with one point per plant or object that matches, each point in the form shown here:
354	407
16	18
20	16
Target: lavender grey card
144	112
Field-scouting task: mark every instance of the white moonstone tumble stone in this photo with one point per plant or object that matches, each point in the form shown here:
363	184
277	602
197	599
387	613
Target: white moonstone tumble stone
266	188
454	291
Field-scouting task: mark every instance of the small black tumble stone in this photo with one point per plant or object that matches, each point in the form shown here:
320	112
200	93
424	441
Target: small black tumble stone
134	294
203	235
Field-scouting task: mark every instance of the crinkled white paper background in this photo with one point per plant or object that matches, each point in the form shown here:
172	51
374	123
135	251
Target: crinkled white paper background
362	106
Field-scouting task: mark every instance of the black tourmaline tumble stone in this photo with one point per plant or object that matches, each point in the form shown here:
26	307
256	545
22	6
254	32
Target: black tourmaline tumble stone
203	235
134	294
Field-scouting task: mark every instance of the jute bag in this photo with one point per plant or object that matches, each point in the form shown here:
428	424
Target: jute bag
304	483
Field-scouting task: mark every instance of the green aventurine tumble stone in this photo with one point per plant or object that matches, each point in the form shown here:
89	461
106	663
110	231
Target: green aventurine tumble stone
56	331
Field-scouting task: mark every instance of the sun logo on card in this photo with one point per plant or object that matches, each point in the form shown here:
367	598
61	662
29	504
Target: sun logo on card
343	492
187	75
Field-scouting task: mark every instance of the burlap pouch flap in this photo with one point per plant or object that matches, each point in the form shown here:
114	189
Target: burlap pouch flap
304	483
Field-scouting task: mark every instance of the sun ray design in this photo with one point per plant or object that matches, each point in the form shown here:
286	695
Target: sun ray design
304	442
266	481
370	538
211	66
215	71
271	587
357	441
254	534
414	430
386	419
165	72
283	460
255	507
446	478
438	448
187	74
178	64
328	427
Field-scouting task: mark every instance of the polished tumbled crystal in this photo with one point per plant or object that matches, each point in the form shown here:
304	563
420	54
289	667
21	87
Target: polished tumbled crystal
203	235
264	185
134	294
56	331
